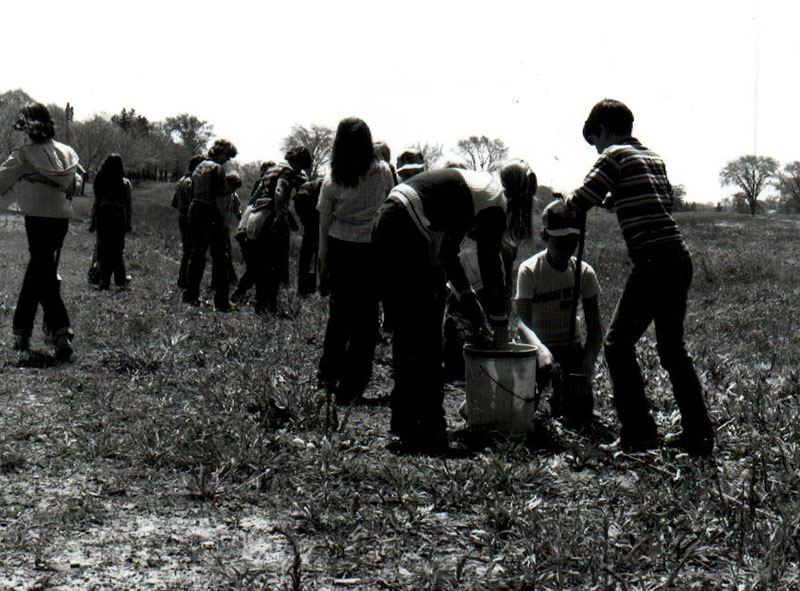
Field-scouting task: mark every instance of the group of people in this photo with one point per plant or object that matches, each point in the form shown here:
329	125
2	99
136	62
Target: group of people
415	243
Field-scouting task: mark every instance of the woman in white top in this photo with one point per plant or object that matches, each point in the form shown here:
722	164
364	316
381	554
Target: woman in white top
356	187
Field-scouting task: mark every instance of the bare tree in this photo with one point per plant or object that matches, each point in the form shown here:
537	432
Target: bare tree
789	185
751	174
430	152
481	153
319	141
193	132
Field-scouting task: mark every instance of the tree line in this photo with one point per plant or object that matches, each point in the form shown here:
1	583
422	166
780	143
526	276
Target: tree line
752	175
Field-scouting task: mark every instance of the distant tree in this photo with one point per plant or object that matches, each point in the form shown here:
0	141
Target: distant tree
10	104
130	122
319	141
679	198
430	152
789	186
481	153
751	174
193	132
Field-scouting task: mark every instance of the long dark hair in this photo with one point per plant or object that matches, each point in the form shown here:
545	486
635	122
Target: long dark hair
110	176
352	152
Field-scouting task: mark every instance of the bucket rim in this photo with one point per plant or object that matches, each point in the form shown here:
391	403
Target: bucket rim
513	350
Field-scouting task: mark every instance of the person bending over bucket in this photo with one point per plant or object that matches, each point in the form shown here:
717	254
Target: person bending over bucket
658	285
417	236
546	306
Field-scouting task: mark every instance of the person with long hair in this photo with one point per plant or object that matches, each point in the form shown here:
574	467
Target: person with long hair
356	187
46	174
111	217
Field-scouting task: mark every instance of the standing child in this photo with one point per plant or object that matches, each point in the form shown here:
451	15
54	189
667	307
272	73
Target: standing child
545	292
111	218
656	289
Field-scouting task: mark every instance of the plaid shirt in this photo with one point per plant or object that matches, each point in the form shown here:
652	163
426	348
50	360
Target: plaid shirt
640	194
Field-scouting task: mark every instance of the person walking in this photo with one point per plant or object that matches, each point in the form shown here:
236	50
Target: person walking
657	287
46	174
111	218
356	187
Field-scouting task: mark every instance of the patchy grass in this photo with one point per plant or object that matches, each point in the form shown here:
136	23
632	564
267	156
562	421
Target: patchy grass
187	449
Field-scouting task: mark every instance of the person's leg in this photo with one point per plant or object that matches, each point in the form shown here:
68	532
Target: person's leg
362	314
332	363
105	249
200	238
633	314
698	433
40	284
219	260
186	246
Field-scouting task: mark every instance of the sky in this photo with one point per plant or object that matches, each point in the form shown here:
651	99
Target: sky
707	81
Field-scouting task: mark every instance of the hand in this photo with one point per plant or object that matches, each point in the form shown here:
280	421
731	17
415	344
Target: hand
500	337
544	357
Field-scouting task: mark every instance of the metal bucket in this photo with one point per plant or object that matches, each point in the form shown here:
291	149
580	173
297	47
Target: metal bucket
501	388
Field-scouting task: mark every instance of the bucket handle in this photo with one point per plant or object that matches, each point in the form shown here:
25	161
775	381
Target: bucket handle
503	386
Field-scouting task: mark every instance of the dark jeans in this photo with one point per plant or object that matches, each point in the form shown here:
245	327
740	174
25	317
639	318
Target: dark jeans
186	245
352	331
249	250
110	245
307	261
571	394
207	233
270	249
656	291
412	293
40	284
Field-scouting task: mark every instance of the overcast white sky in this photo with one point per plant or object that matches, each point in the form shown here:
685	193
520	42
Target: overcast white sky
436	71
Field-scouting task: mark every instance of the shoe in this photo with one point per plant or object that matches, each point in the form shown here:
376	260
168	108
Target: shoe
701	446
223	307
125	281
192	301
63	348
22	342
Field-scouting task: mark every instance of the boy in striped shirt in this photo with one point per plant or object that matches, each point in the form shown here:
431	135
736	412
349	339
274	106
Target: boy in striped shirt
632	180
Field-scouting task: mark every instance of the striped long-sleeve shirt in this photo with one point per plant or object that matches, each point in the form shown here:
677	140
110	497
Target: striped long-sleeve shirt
640	192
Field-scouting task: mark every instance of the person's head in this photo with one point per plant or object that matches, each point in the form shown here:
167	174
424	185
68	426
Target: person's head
382	152
519	184
560	230
456	162
110	175
409	163
298	158
609	120
221	151
194	162
35	120
265	166
352	153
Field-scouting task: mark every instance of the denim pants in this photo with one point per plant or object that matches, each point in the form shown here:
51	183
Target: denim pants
412	290
655	291
40	284
352	330
111	244
207	231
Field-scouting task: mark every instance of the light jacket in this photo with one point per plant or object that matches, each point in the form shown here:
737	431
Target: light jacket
42	174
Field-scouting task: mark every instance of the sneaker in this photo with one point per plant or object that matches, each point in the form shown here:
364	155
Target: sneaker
63	348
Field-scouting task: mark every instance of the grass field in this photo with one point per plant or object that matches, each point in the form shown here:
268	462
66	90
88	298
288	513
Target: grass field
189	449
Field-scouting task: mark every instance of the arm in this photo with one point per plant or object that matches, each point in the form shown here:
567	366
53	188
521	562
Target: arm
128	205
524	311
489	228
600	181
325	208
10	172
594	333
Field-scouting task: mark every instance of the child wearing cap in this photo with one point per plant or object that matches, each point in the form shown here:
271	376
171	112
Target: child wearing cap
545	291
656	289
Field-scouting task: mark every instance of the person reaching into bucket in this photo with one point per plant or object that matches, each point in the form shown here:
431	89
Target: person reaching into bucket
658	285
417	236
546	304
